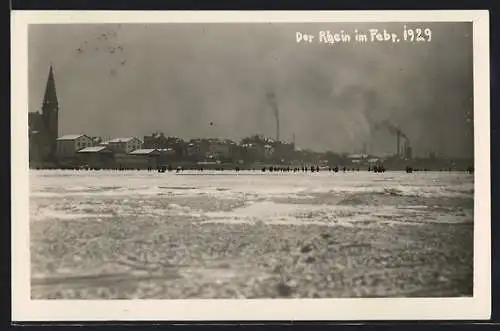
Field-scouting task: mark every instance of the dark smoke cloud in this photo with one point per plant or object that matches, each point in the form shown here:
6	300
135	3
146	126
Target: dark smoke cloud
391	128
177	78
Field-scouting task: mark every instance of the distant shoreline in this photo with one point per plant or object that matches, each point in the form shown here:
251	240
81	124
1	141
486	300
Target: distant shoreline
193	171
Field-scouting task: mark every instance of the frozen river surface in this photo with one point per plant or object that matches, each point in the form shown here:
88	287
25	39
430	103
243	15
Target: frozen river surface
139	234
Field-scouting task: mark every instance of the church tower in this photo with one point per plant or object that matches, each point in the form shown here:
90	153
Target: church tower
50	114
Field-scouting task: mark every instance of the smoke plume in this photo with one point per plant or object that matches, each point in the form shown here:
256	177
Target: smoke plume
393	129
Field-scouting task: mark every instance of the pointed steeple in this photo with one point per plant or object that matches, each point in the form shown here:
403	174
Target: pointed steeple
50	115
50	102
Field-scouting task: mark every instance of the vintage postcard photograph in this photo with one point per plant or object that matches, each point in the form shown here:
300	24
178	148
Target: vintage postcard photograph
250	166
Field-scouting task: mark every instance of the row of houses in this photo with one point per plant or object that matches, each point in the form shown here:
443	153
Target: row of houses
157	148
251	149
126	152
67	146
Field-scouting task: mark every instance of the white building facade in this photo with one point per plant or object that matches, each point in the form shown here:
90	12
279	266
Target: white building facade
124	145
68	145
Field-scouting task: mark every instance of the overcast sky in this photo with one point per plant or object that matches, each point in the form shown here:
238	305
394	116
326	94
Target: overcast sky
133	79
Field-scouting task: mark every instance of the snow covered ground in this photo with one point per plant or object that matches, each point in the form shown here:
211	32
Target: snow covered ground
139	234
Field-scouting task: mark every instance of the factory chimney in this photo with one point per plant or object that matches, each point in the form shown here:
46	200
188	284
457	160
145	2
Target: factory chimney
398	143
408	150
278	129
271	98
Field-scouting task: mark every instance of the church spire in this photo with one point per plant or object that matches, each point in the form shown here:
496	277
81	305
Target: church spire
50	102
50	115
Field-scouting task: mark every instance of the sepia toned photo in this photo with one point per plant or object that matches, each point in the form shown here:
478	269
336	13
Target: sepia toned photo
249	160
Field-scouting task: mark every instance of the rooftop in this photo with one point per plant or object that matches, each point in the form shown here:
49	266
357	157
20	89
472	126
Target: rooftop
357	156
70	137
156	135
145	151
94	149
122	140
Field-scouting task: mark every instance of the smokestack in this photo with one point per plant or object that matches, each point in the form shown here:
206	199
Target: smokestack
408	149
398	137
277	128
271	98
394	130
